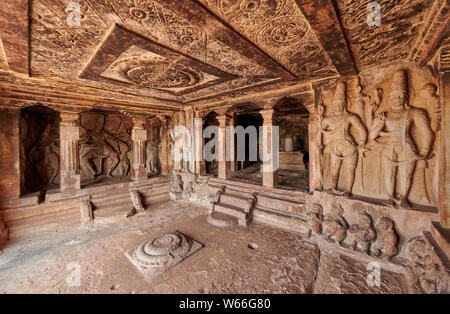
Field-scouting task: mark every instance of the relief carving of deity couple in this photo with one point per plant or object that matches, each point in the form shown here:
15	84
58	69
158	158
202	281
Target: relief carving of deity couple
402	135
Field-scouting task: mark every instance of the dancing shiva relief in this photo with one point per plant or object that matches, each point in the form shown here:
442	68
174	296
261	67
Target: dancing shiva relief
381	148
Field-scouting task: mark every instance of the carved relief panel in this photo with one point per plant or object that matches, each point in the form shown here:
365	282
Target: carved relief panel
386	149
105	145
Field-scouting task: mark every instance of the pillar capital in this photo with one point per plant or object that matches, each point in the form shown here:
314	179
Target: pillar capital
69	118
267	115
224	120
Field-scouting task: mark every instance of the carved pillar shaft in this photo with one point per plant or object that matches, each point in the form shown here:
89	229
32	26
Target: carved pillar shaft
224	162
69	151
10	168
314	153
232	144
199	141
165	168
444	173
139	137
270	149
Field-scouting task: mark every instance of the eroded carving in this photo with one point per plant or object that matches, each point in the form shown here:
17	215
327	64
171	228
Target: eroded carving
341	149
426	270
361	234
161	253
176	187
315	220
404	148
386	244
334	225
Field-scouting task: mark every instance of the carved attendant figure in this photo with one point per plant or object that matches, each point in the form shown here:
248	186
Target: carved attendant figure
334	225
360	235
401	150
340	148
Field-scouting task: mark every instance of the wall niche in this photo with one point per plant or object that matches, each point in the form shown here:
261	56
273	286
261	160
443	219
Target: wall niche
39	149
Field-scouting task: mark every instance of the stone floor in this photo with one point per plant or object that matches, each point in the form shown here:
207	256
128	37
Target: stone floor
287	179
259	259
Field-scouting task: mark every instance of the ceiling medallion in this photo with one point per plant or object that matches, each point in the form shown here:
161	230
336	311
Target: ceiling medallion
160	73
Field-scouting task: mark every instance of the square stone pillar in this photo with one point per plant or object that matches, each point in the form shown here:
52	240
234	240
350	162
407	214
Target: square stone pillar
165	168
11	174
270	149
69	135
139	138
444	167
315	177
224	160
199	142
231	144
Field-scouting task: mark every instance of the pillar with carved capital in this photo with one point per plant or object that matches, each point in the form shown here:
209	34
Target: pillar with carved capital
224	159
199	142
231	144
315	177
444	167
270	149
165	167
69	134
139	138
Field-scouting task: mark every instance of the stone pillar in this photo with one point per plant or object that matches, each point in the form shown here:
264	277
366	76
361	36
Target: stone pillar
69	135
139	138
10	172
165	168
231	144
199	142
224	160
314	153
444	167
270	149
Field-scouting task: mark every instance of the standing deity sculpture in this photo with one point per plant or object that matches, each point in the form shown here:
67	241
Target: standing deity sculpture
404	138
340	149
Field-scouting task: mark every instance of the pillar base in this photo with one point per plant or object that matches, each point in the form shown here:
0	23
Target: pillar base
139	172
70	182
224	170
270	179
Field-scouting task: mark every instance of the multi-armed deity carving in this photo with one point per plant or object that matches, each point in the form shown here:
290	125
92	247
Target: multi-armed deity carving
387	140
340	147
98	146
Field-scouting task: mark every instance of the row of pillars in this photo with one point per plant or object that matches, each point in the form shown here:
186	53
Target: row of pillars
227	154
70	155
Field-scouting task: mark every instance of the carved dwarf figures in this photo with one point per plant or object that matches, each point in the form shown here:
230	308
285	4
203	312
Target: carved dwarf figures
340	148
386	244
360	235
315	218
404	137
176	187
334	225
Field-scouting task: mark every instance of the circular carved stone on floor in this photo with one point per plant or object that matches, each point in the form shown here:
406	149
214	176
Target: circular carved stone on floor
160	250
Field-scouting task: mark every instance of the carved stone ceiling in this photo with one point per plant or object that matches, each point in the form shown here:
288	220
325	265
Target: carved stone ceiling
154	49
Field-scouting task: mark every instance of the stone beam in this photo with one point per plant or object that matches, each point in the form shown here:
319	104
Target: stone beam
434	32
14	31
324	20
199	16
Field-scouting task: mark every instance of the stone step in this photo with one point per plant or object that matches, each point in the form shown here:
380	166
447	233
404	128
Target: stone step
73	215
235	200
221	220
230	210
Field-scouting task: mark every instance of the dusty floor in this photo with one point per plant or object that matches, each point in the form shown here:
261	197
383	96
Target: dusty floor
259	259
287	179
